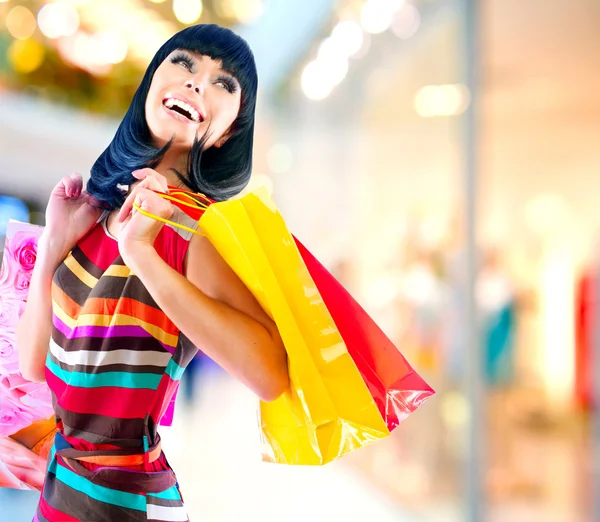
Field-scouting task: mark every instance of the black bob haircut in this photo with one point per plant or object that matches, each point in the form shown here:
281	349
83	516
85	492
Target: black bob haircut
219	172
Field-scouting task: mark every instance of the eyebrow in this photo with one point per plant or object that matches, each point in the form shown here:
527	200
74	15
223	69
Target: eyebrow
198	56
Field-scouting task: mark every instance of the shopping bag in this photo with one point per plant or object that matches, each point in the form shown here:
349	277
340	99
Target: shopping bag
396	387
328	410
27	424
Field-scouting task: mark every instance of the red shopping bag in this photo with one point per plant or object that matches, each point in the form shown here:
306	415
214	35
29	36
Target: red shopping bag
395	386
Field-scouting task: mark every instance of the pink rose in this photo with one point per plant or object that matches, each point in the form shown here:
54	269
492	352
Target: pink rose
9	358
12	417
9	312
21	288
8	272
24	248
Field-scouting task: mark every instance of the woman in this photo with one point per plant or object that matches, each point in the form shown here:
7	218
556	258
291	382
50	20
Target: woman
124	301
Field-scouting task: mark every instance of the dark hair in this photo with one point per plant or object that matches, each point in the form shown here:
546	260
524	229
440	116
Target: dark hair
219	172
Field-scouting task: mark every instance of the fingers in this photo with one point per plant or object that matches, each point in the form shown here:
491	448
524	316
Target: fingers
70	186
151	202
127	207
144	174
146	199
150	180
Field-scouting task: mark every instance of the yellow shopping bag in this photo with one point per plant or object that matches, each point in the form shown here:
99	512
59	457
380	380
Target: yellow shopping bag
328	410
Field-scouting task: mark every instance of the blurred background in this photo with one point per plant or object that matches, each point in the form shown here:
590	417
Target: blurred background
373	116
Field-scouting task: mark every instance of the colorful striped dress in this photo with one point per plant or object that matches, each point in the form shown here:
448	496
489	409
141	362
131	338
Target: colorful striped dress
114	364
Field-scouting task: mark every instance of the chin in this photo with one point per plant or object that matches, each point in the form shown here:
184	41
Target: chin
162	138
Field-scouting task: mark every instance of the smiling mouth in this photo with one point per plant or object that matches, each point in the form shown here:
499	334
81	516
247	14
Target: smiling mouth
180	107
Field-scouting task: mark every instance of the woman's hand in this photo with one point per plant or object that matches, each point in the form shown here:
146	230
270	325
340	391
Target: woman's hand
70	214
138	231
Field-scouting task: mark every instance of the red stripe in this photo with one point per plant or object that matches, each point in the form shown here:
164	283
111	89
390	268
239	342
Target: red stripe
101	257
171	248
165	390
54	514
112	401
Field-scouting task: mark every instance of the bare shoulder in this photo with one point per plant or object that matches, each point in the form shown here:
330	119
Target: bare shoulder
206	269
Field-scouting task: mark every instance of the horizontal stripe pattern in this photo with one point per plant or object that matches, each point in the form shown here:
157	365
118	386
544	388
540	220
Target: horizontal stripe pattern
89	369
142	342
79	272
101	429
70	494
99	312
101	493
105	256
102	380
122	357
87	264
169	494
114	362
46	512
120	327
118	402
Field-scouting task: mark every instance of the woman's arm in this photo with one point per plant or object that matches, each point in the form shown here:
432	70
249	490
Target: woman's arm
35	325
216	311
70	213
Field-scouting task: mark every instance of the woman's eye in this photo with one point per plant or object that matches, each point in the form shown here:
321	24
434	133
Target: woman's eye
227	84
183	61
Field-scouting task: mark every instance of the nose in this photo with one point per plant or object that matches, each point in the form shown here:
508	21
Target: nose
198	87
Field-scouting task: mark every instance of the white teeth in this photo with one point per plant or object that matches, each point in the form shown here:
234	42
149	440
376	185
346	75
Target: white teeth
194	114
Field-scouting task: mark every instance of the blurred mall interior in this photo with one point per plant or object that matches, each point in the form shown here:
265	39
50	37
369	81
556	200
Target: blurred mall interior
361	140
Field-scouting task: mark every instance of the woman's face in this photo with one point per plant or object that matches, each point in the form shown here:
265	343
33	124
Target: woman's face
190	93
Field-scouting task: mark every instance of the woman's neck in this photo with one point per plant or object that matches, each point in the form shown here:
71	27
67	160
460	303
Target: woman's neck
170	176
173	161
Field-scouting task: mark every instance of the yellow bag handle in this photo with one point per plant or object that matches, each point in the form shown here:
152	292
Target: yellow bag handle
198	204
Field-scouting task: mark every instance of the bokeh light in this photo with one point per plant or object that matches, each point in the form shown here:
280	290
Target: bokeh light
20	22
56	20
333	61
82	50
406	22
144	42
455	410
246	11
314	81
112	45
364	48
242	11
376	16
348	37
280	158
256	182
441	100
25	56
187	11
